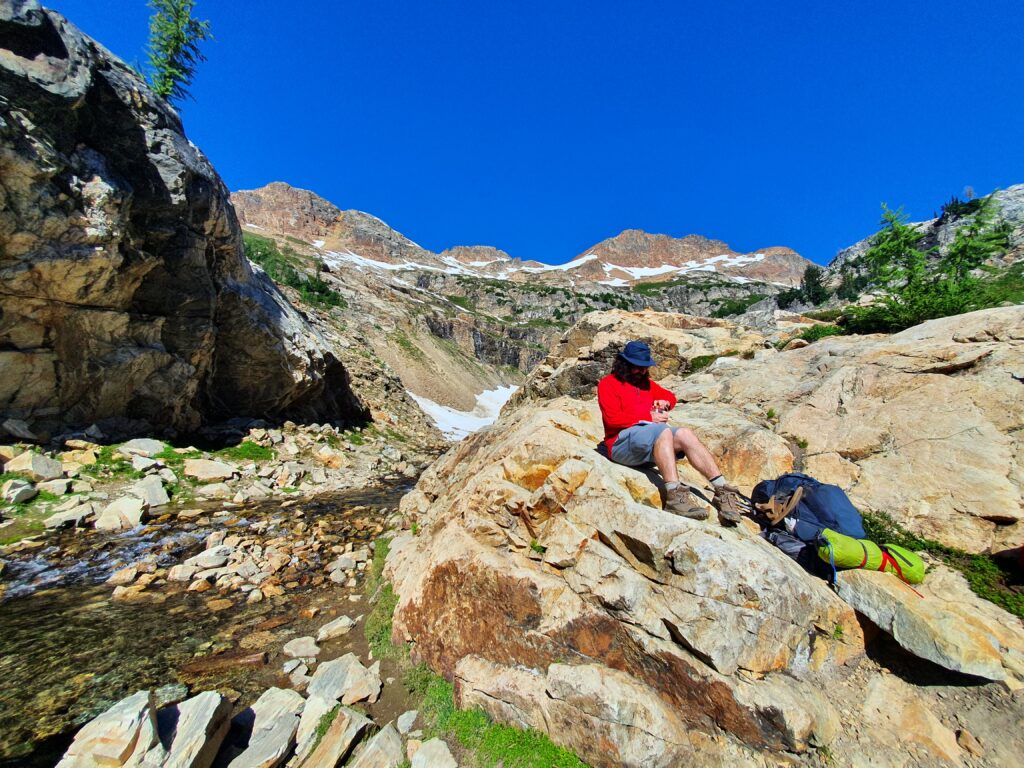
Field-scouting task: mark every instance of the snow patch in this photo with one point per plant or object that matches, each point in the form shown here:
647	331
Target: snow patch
318	244
562	267
456	425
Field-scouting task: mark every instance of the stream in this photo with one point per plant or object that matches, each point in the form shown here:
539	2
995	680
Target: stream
68	650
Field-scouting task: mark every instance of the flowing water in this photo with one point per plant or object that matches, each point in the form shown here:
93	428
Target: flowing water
68	651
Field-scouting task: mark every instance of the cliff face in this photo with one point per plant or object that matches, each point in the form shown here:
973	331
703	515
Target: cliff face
125	289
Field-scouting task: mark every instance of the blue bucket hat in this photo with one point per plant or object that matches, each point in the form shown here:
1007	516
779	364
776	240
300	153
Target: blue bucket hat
637	353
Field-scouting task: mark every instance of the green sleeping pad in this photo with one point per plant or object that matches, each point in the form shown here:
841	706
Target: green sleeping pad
848	552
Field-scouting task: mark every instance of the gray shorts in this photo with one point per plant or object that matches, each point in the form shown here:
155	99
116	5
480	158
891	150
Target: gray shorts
635	446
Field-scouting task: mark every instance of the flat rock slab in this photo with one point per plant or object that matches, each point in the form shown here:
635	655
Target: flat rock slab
921	625
70	519
122	734
142	446
211	558
332	629
302	648
35	466
127	512
199	726
57	487
433	754
346	680
18	491
275	721
208	471
406	721
312	713
345	730
151	491
382	751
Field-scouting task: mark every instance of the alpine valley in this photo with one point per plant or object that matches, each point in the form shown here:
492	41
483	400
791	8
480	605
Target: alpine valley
281	487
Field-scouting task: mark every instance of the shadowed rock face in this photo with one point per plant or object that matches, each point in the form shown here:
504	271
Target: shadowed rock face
125	289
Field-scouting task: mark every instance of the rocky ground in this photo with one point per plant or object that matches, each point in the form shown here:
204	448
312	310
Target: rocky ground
85	484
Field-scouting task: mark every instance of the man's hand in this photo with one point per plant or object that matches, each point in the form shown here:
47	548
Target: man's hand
659	417
661	405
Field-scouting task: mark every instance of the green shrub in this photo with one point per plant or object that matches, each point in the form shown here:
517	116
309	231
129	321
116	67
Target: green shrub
281	269
912	290
246	451
737	306
816	332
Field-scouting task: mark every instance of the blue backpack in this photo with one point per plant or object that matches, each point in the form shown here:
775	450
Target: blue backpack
821	506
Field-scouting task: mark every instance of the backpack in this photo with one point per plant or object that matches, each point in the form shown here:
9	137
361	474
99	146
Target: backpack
819	506
822	521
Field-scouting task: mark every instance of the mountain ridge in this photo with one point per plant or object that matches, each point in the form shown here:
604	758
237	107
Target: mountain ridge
632	257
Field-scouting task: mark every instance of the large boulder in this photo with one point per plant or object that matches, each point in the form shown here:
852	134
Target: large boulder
923	425
126	290
540	561
548	584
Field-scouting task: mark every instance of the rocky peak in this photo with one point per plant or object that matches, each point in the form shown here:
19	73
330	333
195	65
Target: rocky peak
286	210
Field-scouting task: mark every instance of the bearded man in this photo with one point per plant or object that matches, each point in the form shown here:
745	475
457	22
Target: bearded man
636	432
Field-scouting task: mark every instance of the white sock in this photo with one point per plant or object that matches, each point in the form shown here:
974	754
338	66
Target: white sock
719	481
671	486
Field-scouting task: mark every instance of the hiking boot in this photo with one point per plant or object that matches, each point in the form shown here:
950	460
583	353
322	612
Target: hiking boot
679	501
727	501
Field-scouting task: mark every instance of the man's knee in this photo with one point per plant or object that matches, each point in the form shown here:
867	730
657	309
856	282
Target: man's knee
665	436
684	437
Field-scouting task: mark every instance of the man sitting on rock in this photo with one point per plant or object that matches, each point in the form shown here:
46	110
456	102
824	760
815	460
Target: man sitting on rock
636	432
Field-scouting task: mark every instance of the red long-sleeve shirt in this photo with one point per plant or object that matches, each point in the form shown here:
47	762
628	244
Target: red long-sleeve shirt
623	405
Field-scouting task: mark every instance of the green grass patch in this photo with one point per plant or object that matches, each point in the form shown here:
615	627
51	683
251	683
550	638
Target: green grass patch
987	576
491	744
324	724
700	362
406	345
356	438
246	451
462	301
379	622
107	466
170	458
375	577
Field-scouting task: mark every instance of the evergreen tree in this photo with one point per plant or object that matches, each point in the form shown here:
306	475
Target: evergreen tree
911	292
812	289
174	38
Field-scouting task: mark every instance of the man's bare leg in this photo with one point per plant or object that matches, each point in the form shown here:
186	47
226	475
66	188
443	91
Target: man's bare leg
678	500
665	456
726	499
698	456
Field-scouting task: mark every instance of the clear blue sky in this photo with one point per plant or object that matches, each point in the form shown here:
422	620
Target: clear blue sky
543	127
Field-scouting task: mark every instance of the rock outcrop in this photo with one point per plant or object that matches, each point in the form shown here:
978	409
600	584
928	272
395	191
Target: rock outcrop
549	585
125	289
